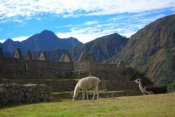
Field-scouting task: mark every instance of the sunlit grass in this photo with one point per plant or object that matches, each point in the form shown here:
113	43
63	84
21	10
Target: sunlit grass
162	105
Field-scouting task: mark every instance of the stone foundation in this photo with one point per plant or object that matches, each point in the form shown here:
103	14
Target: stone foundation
15	93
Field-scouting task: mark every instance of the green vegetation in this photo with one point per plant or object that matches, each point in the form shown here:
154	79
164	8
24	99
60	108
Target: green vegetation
162	105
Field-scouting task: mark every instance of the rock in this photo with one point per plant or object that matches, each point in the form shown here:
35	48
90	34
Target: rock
14	93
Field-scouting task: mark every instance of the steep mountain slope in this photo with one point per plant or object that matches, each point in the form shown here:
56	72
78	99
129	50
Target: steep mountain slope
152	50
101	48
46	40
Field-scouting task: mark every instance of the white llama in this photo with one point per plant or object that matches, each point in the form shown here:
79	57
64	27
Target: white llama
143	89
86	84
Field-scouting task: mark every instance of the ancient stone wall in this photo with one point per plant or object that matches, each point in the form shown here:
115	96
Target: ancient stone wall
86	66
15	93
28	55
18	54
106	67
20	69
12	68
66	58
104	71
42	56
57	85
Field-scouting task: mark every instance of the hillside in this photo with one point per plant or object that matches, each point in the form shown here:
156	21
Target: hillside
151	50
46	40
101	48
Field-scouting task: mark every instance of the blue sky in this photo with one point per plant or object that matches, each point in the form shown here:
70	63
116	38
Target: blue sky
83	19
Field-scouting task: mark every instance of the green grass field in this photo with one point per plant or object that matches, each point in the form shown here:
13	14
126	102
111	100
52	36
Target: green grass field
162	105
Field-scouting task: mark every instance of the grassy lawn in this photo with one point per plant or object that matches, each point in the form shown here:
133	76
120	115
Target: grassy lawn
162	105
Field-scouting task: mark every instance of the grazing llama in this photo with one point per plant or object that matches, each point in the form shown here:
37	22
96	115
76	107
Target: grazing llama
143	89
86	84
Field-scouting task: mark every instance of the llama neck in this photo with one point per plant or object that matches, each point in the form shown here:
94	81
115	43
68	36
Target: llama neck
76	90
141	87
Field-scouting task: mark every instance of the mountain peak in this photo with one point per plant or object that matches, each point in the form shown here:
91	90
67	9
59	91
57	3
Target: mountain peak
102	48
45	35
8	41
46	32
45	40
116	35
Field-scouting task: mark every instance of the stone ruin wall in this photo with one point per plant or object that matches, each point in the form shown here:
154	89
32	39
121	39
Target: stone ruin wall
87	66
110	71
104	71
114	76
16	94
12	68
15	68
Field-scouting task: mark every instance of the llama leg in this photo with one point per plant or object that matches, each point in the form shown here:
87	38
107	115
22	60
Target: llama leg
96	92
83	94
87	96
86	93
94	95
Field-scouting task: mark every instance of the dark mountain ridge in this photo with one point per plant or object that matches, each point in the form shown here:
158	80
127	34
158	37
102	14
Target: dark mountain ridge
46	40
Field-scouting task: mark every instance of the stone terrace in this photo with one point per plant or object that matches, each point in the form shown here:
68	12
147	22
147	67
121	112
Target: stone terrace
116	78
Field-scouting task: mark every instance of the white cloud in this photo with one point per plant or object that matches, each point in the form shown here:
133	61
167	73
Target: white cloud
12	8
39	19
90	22
22	38
121	24
86	32
89	30
2	41
83	37
18	21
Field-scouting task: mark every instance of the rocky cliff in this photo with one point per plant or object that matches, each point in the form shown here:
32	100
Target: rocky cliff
152	50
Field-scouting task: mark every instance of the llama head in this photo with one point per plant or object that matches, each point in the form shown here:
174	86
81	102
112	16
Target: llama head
138	81
73	96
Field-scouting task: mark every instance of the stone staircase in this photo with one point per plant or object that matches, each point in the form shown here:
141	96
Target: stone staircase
63	88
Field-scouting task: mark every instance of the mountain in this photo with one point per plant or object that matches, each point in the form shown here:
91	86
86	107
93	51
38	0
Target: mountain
101	48
152	51
46	40
9	44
